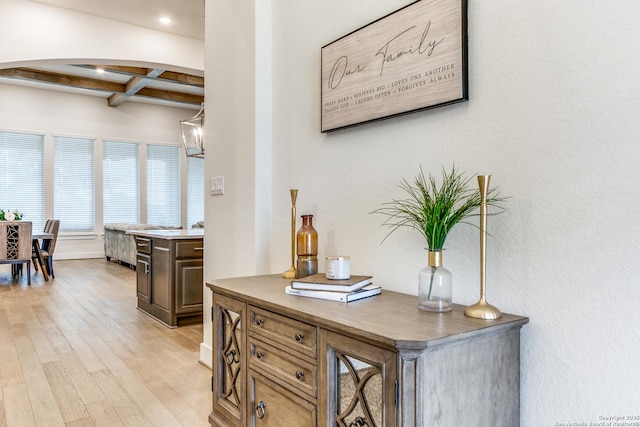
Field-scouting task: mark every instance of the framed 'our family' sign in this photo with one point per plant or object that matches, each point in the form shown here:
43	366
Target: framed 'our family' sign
412	59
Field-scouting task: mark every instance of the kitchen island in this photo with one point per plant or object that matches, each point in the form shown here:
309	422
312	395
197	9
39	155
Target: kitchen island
169	274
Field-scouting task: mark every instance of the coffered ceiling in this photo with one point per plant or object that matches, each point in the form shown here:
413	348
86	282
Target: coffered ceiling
118	84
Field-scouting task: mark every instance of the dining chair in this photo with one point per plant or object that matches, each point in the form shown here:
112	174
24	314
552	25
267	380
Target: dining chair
16	246
51	226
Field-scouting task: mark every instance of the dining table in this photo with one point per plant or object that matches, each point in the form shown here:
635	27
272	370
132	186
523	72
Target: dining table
36	238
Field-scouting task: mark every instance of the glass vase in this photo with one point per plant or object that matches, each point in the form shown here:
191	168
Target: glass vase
434	285
307	248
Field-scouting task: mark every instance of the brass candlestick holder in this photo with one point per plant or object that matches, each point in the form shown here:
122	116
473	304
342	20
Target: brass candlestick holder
482	309
291	272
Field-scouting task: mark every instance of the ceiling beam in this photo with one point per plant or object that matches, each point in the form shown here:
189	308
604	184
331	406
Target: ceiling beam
188	79
133	86
170	76
120	92
167	95
62	79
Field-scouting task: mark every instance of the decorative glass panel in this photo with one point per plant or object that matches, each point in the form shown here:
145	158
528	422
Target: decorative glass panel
360	393
231	355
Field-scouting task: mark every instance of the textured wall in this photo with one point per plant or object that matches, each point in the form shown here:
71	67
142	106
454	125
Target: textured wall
553	115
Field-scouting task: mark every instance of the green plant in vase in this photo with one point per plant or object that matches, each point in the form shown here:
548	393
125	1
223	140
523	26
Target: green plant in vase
433	210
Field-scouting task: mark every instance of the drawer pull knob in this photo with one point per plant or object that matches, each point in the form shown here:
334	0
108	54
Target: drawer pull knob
261	410
299	337
299	374
259	321
260	354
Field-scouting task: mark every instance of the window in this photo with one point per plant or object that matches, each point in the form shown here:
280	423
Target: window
73	183
163	185
195	190
22	175
70	180
121	182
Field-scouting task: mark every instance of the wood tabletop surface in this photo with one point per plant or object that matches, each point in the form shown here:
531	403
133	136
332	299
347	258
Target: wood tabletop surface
391	318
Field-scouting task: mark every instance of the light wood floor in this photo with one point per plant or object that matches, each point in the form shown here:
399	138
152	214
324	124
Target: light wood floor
75	351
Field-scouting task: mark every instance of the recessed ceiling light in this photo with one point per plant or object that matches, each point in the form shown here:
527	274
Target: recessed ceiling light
165	20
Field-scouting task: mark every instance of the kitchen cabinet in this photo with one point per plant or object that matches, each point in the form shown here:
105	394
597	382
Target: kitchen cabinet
143	269
169	281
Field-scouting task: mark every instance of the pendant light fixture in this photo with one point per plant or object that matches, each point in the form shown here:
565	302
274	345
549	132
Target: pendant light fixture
192	134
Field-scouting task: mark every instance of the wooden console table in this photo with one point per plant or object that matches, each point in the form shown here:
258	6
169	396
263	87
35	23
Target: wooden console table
286	360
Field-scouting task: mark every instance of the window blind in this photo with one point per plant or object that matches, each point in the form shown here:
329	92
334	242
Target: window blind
163	185
121	182
22	175
195	190
73	183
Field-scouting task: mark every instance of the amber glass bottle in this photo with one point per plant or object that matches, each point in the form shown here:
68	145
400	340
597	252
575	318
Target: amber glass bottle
307	247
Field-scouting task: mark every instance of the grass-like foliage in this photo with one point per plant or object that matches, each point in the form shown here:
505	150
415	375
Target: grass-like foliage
434	209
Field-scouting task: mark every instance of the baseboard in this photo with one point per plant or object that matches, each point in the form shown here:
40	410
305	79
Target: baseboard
206	355
78	255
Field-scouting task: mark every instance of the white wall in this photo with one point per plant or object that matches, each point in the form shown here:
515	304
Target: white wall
55	113
231	220
33	31
553	115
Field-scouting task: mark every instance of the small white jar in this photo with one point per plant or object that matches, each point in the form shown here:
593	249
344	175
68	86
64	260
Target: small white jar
338	267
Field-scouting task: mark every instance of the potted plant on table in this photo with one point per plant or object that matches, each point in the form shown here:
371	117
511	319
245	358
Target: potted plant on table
433	210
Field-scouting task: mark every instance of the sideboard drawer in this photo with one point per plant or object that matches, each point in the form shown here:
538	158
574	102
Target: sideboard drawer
271	405
189	249
289	333
283	365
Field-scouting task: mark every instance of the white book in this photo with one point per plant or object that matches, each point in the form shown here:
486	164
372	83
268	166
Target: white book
367	291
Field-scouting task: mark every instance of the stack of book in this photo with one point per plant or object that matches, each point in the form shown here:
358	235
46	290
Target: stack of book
318	286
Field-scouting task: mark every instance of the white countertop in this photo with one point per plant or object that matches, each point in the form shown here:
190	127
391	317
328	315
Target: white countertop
188	233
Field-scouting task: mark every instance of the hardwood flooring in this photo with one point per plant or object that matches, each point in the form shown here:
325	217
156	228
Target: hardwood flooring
75	351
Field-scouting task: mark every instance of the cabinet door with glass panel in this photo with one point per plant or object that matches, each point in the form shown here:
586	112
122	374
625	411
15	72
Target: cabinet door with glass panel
229	362
360	383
